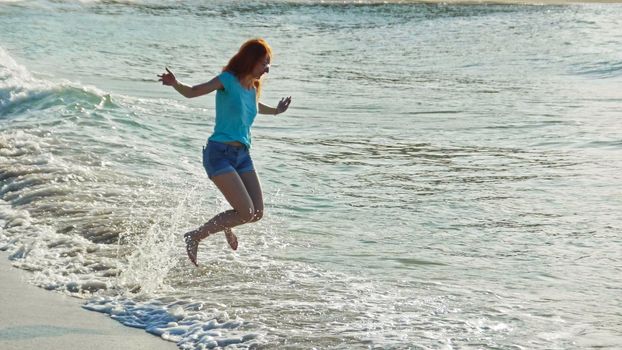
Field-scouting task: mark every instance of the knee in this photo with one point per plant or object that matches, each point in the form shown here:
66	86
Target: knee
247	215
257	215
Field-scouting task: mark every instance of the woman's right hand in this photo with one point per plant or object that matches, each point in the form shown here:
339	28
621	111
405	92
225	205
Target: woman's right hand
167	78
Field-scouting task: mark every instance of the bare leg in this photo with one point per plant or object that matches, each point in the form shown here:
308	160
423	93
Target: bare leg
232	239
253	187
232	187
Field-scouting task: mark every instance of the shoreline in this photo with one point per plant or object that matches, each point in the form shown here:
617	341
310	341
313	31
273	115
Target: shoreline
33	318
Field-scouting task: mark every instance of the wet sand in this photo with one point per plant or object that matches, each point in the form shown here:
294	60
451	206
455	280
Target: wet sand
33	318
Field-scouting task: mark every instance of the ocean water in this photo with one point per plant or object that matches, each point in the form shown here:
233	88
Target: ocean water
447	176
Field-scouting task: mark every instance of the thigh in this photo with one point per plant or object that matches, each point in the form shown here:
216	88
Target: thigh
253	187
235	192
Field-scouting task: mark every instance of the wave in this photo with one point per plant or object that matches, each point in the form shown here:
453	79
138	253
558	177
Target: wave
21	92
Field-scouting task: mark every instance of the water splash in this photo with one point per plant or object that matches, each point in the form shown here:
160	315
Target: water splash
155	253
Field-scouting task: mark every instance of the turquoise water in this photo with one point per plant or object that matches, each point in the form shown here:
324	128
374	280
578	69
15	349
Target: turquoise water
447	177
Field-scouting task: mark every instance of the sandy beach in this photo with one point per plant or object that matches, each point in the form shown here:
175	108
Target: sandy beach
33	318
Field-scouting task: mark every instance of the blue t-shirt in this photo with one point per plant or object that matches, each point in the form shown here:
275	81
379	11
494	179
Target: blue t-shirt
236	109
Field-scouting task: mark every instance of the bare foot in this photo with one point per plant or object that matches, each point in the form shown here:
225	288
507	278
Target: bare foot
192	246
231	239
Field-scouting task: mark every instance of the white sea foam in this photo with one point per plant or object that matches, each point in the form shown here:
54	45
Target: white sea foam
19	89
17	84
190	325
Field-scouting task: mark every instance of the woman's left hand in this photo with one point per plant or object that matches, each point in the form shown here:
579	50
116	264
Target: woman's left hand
283	104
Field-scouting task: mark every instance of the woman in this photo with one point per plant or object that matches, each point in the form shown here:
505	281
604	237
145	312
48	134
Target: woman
226	157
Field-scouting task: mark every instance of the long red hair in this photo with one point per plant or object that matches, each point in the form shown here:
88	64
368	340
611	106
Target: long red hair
243	63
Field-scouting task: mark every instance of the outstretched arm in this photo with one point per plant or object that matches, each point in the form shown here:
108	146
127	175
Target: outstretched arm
169	79
282	107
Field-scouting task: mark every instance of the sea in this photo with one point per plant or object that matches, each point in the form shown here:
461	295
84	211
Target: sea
447	176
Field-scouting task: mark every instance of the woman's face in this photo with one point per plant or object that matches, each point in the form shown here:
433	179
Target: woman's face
263	66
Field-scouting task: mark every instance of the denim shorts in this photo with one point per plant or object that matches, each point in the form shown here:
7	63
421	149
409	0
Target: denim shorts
221	158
